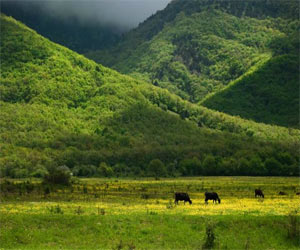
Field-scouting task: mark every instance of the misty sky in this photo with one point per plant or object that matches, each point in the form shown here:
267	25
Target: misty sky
122	13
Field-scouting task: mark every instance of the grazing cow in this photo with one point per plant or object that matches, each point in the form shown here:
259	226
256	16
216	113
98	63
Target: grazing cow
298	193
212	196
282	193
259	193
182	197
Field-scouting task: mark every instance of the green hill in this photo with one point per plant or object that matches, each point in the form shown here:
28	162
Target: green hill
59	108
195	48
270	94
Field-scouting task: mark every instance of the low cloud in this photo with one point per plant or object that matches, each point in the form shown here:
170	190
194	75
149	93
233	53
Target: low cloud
124	14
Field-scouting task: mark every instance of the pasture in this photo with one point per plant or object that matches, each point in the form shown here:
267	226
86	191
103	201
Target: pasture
141	214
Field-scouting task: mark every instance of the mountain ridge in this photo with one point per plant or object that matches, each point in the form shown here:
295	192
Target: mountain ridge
197	48
59	108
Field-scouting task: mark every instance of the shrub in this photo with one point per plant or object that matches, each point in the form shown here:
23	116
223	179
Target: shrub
293	227
210	237
191	166
244	167
56	210
20	173
47	190
59	175
156	168
145	196
209	165
257	167
79	210
120	169
273	166
40	172
85	170
104	170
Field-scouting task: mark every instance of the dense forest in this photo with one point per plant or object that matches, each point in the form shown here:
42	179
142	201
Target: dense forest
59	108
196	48
269	94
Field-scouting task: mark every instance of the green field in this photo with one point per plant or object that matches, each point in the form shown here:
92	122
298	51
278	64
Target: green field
140	214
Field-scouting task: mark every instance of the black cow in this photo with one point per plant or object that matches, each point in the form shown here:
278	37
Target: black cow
212	196
282	193
182	197
259	193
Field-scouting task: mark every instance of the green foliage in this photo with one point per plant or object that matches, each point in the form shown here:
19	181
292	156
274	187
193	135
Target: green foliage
157	168
195	48
105	170
269	94
210	236
293	227
190	167
58	175
76	220
59	108
56	210
273	166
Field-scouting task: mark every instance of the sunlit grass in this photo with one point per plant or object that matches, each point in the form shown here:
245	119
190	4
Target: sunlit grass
141	214
233	206
157	196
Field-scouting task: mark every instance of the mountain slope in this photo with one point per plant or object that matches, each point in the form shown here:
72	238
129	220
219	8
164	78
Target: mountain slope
196	48
270	94
58	107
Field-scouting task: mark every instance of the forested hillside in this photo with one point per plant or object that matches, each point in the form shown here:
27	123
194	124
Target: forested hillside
270	94
195	48
59	108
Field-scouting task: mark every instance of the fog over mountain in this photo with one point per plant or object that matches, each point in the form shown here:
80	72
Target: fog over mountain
124	14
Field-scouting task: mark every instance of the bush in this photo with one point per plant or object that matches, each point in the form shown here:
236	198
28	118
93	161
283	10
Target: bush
244	167
191	167
293	227
85	170
257	167
121	169
58	175
210	165
40	172
210	237
156	168
20	173
104	170
274	167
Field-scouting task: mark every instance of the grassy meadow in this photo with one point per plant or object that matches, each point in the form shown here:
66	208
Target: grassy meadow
141	214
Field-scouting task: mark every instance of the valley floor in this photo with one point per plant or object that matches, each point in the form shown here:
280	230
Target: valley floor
140	214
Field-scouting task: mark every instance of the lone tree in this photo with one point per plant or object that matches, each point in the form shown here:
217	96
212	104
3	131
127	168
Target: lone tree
104	170
59	175
156	168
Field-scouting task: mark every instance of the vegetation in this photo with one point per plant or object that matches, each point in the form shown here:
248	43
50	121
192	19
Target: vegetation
114	214
269	95
58	108
197	48
58	175
63	116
